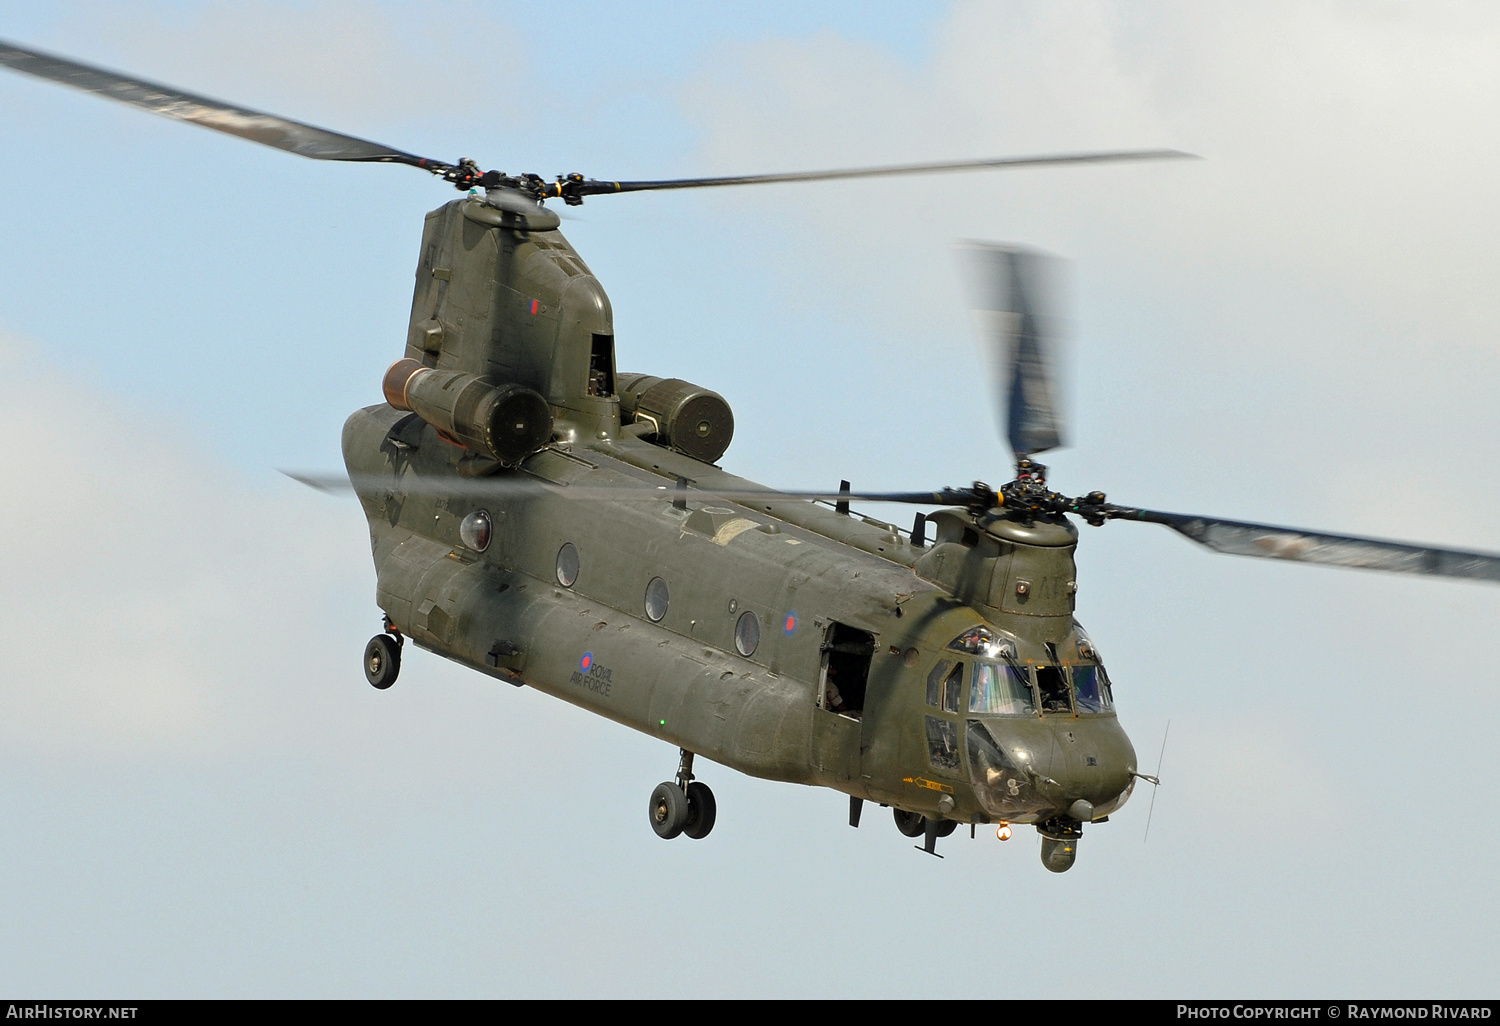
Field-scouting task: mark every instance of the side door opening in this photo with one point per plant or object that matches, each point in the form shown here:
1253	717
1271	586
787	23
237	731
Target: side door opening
846	669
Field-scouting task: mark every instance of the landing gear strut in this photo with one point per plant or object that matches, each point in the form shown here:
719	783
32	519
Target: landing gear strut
685	806
911	824
383	657
914	824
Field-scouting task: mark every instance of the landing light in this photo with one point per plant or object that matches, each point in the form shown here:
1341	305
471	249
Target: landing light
1002	833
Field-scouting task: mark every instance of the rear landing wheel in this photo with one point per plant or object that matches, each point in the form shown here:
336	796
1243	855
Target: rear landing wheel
701	811
669	810
382	661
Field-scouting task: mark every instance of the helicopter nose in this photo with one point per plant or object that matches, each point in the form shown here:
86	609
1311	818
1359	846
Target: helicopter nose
1092	765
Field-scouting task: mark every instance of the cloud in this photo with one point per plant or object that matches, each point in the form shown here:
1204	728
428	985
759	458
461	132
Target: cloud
344	63
1344	144
1321	282
148	588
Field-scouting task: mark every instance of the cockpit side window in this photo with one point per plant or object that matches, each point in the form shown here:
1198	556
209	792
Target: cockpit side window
942	744
953	689
945	686
1053	689
935	682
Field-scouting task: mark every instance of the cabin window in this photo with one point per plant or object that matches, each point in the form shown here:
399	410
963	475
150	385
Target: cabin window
846	669
657	597
567	564
747	634
1091	689
475	531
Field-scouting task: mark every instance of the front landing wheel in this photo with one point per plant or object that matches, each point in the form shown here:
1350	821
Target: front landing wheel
702	811
382	661
669	810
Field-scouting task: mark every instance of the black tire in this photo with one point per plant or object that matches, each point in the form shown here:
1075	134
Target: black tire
912	824
946	827
669	810
701	811
382	661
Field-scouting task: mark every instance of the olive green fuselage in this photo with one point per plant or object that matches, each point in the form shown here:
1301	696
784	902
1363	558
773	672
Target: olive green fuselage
834	598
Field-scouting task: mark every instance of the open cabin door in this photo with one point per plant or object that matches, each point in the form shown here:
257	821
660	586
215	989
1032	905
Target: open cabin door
843	676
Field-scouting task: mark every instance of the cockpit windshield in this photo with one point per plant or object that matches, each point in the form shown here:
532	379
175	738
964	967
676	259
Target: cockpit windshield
1000	691
1000	685
1091	689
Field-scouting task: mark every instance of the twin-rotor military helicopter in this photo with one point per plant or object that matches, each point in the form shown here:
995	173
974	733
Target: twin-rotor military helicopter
547	520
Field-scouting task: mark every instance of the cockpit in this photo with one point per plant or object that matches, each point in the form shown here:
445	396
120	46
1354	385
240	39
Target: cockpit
1035	737
1000	685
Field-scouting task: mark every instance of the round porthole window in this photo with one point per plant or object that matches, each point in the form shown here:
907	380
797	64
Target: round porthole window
656	599
475	531
746	633
567	564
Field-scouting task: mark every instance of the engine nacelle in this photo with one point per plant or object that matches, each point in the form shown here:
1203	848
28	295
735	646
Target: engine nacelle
687	417
504	422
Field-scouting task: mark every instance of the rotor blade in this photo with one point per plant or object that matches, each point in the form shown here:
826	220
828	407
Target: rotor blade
520	485
1013	297
333	484
594	187
257	126
1272	542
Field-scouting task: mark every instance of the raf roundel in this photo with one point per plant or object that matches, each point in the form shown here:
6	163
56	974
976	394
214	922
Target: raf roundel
586	662
790	625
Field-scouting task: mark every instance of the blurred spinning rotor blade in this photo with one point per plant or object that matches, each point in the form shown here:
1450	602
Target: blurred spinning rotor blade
257	126
333	484
647	488
1271	542
593	187
1012	293
322	144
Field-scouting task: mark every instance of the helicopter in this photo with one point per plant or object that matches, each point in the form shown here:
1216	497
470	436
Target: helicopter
547	520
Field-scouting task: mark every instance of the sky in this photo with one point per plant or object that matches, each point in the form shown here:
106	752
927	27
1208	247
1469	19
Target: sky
200	796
